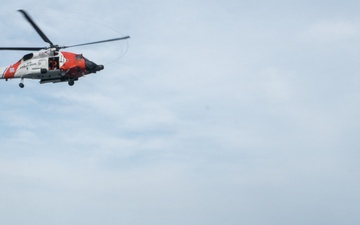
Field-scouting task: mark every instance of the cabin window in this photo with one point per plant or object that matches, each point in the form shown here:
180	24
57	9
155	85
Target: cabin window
53	63
28	56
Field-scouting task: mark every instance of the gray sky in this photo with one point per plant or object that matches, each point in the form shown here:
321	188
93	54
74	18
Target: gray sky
214	112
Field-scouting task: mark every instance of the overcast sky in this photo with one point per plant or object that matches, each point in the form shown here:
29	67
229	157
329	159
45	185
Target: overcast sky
214	112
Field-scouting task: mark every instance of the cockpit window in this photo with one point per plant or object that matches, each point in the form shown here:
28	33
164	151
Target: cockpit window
79	57
28	56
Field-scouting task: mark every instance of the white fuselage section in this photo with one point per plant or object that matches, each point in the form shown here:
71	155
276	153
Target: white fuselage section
37	65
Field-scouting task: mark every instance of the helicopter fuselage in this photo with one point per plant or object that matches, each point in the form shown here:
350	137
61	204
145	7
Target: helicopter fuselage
50	66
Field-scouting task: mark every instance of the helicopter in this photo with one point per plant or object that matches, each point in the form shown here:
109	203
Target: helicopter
49	64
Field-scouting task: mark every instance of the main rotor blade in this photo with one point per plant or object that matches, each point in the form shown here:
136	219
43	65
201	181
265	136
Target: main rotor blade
97	42
22	48
33	24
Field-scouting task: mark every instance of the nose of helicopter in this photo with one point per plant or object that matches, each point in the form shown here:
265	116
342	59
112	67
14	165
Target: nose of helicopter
92	67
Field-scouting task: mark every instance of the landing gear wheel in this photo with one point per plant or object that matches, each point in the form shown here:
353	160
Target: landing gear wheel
21	85
71	82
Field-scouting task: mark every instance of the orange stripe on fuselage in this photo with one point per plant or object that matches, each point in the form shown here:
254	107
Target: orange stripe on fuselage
74	65
11	70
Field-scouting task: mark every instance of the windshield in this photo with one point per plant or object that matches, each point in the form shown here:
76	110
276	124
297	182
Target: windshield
79	57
